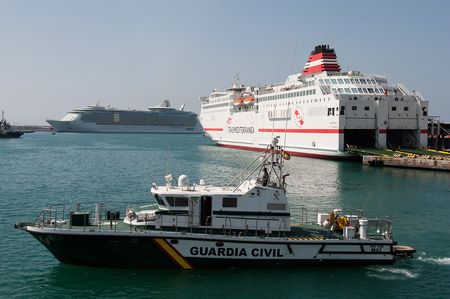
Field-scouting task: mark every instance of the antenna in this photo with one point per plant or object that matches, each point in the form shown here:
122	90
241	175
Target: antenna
367	199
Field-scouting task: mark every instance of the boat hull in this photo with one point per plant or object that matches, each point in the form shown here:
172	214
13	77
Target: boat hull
171	250
84	127
12	134
337	156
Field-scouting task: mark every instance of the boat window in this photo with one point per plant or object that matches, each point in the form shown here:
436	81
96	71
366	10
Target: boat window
352	80
347	81
159	200
177	201
321	81
276	206
373	81
327	81
363	81
347	90
333	81
365	90
354	108
394	108
405	108
366	108
229	202
354	90
370	90
360	90
340	81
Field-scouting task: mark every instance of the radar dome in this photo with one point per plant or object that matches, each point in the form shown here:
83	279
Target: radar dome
183	181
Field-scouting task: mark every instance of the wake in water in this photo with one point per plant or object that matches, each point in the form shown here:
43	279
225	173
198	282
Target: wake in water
391	273
437	261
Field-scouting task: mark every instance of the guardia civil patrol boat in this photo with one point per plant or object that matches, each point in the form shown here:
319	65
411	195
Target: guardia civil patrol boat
246	223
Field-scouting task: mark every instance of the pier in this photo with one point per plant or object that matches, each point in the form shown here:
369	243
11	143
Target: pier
442	163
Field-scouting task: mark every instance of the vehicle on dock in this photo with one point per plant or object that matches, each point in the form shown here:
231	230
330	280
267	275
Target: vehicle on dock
246	223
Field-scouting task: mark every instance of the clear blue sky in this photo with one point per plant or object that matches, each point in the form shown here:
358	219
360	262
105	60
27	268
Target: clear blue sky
57	55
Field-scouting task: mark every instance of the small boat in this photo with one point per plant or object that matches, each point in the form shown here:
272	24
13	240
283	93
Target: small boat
246	223
6	131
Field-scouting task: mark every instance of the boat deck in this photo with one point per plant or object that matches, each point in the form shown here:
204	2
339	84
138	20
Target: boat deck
298	232
62	218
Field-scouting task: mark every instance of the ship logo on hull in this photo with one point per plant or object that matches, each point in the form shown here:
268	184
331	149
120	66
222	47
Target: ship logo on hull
298	117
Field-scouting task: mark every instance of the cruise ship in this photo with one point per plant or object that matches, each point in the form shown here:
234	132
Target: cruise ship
100	119
320	112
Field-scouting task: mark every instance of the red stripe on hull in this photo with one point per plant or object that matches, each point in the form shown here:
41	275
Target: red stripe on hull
424	131
382	131
320	131
213	129
297	154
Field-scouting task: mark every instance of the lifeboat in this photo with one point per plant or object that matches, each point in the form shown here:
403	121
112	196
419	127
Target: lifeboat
238	101
249	100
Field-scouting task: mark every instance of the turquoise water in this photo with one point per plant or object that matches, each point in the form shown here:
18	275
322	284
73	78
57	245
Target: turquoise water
40	169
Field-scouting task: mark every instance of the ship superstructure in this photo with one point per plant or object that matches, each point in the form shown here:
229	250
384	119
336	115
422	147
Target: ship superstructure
158	119
319	112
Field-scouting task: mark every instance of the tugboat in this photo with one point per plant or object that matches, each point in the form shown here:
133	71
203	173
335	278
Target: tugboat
6	131
244	224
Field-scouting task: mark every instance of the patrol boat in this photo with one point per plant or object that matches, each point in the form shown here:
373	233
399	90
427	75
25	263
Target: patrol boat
244	224
6	131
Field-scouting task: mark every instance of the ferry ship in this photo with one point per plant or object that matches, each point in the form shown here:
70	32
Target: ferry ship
100	119
246	223
319	112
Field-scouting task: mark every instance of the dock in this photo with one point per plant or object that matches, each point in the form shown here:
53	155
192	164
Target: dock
408	162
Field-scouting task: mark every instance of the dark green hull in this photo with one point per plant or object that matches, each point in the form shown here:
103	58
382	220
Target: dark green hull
143	251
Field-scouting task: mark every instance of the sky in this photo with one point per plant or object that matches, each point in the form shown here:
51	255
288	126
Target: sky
58	55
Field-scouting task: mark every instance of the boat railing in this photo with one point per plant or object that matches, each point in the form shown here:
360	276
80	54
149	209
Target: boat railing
282	228
69	216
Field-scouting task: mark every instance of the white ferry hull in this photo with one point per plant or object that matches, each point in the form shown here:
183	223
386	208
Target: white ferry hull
250	131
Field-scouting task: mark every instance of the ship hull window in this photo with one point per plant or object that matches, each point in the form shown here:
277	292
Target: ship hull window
229	202
177	201
159	200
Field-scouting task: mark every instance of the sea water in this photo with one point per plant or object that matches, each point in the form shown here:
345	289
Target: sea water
41	169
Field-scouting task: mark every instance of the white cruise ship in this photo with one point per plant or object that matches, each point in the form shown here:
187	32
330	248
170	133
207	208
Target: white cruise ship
99	119
318	113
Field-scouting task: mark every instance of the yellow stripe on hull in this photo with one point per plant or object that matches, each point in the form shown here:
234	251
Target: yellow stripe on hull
173	254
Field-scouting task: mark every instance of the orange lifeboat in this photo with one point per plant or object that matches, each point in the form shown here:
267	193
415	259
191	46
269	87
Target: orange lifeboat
238	101
249	100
